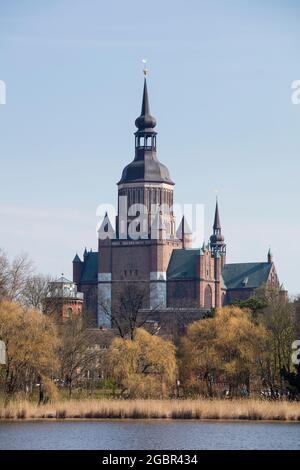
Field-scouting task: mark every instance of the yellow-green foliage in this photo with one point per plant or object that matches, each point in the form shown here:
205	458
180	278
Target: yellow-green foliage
227	346
30	340
51	393
144	366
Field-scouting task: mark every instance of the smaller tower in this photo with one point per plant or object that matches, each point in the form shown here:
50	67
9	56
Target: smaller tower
77	269
270	256
217	241
63	299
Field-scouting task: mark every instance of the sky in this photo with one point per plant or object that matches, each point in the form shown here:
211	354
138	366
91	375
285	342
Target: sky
220	75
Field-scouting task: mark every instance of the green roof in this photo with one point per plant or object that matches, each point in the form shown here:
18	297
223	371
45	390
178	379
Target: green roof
90	267
183	264
245	275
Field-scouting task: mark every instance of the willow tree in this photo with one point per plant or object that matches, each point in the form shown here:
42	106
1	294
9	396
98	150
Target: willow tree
31	341
225	348
144	366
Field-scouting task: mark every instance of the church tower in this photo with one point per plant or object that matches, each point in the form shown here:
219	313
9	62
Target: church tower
145	236
145	181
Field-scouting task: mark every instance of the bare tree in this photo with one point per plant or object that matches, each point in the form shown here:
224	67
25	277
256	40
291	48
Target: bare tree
77	353
279	318
36	289
129	308
4	274
19	283
20	270
297	316
14	276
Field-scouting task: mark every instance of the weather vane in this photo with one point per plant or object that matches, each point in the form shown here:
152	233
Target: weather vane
145	70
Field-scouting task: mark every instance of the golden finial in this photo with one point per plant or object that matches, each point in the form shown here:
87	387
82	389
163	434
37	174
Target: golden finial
145	70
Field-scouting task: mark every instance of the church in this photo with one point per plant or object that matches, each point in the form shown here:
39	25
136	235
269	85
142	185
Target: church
158	254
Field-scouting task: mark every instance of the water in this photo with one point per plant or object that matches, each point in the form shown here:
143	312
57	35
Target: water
148	435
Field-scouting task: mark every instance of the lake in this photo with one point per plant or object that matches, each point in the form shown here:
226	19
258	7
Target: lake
148	435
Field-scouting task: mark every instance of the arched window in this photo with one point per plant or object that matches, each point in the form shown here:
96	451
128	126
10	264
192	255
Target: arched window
69	312
207	297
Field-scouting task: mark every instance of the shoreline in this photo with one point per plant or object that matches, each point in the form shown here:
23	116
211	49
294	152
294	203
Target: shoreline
170	420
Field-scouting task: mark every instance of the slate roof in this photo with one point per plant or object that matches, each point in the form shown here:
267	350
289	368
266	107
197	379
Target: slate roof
145	166
183	264
245	275
90	267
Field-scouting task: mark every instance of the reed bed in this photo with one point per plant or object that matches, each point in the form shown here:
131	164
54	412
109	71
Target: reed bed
154	409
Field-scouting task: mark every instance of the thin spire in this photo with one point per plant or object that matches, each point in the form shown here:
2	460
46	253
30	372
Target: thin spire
217	223
217	241
270	255
145	103
145	121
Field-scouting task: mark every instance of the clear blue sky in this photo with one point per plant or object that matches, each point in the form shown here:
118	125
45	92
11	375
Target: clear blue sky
220	87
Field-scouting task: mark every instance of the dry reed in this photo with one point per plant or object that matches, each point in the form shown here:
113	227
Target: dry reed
154	409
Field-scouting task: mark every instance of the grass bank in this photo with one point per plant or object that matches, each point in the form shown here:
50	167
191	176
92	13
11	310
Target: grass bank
151	409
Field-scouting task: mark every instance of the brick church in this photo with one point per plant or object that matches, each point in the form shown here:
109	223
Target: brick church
161	258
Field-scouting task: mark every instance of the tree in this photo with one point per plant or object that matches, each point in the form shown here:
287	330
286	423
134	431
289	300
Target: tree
279	319
31	343
254	304
127	314
35	290
76	352
224	348
19	283
144	366
292	380
14	275
4	274
296	305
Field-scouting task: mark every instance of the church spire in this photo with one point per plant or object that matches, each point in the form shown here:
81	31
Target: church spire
145	166
145	122
145	102
217	223
217	242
